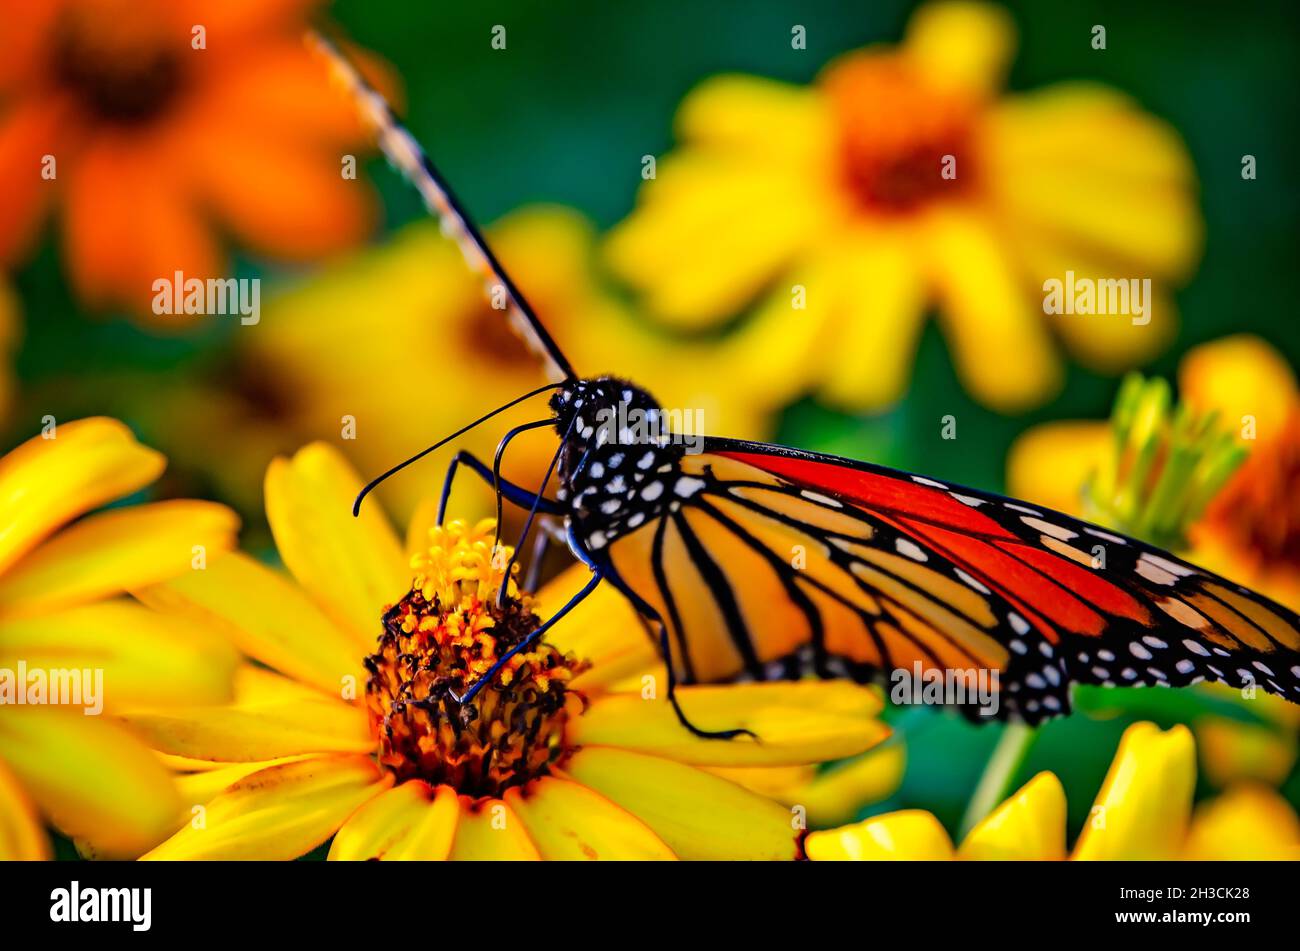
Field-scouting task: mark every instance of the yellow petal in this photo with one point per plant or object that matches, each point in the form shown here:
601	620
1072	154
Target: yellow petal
90	777
410	822
489	831
712	231
1029	826
1134	207
206	783
796	722
1230	751
963	46
1138	329
1248	823
135	656
1051	463
698	815
267	617
271	717
352	567
21	837
986	314
1239	377
1142	809
1059	126
909	835
47	482
837	794
569	822
278	813
880	304
115	551
750	114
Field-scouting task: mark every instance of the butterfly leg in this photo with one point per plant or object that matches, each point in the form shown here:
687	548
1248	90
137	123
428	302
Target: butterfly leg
550	622
649	615
677	707
517	495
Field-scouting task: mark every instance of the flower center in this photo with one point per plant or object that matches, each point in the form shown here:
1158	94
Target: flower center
902	140
124	66
440	639
1261	506
1167	463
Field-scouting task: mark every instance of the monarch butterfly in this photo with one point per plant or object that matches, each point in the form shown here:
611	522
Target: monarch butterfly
894	571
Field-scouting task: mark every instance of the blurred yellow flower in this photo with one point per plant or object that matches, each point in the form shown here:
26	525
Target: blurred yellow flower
401	341
903	179
1141	813
154	120
62	610
583	760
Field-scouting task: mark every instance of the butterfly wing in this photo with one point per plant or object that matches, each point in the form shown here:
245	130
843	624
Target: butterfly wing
787	562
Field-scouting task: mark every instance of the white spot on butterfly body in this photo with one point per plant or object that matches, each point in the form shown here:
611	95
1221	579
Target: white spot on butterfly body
1138	651
1185	666
1018	624
1195	648
610	506
967	500
972	583
652	491
646	461
930	482
597	470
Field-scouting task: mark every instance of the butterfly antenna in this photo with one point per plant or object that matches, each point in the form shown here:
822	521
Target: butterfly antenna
405	154
369	486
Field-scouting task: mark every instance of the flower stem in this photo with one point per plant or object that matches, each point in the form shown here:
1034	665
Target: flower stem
999	773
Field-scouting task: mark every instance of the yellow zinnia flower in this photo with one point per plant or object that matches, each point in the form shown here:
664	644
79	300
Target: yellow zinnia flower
902	179
62	616
1142	812
571	752
397	347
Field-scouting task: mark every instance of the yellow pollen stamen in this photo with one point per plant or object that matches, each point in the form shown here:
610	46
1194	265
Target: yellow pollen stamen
441	638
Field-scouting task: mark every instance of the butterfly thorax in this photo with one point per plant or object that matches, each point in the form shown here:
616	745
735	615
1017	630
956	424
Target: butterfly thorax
620	465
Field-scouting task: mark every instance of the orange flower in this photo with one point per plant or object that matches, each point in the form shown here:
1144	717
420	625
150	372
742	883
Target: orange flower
152	121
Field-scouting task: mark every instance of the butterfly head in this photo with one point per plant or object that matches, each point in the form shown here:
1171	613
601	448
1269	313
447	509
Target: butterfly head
604	410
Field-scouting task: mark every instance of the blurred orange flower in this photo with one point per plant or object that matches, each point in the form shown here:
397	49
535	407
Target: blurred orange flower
903	178
1251	530
156	121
